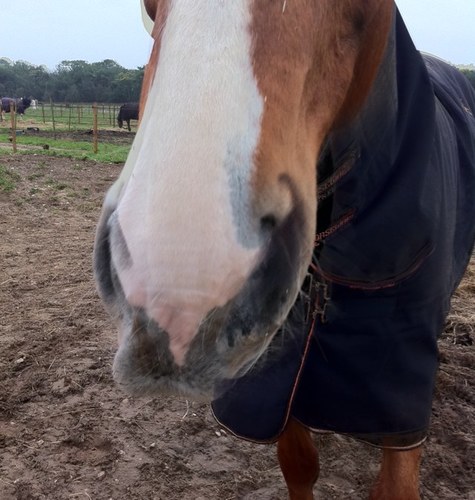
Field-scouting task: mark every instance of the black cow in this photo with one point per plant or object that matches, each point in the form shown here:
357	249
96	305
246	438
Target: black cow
127	112
21	105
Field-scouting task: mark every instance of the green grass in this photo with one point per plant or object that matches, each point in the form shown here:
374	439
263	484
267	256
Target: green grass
8	179
75	118
80	150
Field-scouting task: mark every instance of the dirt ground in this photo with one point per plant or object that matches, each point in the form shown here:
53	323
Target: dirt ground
67	432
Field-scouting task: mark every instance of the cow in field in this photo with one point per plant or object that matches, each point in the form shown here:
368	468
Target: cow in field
21	105
127	112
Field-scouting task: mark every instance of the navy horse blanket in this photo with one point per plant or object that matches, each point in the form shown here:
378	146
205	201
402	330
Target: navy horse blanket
20	104
396	227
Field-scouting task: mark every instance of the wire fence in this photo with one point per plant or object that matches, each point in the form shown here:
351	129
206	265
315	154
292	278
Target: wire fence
60	118
75	116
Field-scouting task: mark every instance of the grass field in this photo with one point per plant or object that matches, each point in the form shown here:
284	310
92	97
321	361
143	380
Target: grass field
66	131
108	152
8	179
70	116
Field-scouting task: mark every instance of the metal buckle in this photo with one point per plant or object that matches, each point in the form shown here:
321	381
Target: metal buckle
308	289
317	296
321	301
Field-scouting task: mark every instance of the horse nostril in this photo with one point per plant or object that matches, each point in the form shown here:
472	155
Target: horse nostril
274	204
268	223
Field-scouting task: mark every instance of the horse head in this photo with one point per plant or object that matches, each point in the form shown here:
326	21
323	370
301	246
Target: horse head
205	239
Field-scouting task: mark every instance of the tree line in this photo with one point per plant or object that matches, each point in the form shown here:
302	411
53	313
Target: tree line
470	74
80	81
71	81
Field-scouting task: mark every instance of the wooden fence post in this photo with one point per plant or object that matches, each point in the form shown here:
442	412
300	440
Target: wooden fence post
94	131
13	122
52	118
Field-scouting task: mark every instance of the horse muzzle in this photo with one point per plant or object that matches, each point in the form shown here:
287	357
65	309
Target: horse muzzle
224	343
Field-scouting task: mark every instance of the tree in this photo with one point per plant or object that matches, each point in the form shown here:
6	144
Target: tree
71	81
470	74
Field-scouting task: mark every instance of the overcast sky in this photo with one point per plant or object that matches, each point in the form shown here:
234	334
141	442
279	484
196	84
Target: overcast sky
50	31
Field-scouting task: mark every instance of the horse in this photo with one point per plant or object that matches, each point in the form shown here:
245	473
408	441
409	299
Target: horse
21	105
289	227
127	112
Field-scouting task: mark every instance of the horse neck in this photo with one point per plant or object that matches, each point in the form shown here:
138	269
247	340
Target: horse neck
401	97
393	131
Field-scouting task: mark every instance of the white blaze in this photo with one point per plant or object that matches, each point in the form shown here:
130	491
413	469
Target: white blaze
180	212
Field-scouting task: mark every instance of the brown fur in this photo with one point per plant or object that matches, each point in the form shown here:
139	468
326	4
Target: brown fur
373	43
157	10
298	459
399	476
314	62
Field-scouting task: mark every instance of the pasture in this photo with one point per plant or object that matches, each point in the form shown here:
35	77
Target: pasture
67	432
67	130
73	116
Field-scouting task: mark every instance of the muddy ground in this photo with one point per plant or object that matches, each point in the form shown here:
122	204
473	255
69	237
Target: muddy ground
67	432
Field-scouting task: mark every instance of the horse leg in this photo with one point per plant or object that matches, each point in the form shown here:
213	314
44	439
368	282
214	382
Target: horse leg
298	459
398	477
